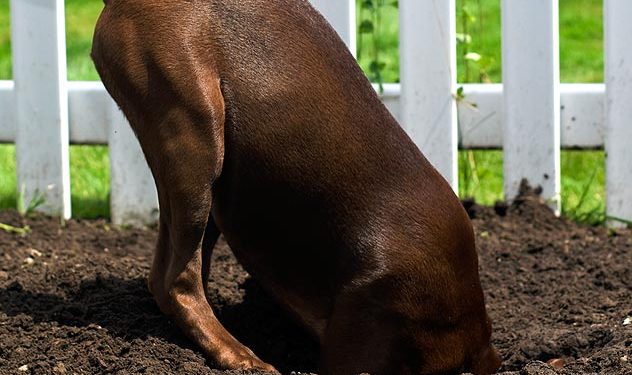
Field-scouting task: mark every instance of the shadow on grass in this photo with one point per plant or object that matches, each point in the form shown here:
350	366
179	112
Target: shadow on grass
7	202
90	208
82	208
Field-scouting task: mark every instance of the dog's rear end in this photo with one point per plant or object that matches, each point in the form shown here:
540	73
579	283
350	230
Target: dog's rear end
257	123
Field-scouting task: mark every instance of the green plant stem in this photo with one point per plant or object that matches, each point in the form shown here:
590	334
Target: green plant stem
466	50
11	229
377	19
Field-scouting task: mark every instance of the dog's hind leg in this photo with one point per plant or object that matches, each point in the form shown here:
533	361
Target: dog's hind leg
211	234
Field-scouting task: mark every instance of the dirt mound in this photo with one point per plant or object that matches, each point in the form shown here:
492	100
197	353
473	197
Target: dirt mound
73	299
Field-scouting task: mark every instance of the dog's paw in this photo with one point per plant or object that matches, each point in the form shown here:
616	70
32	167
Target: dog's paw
242	359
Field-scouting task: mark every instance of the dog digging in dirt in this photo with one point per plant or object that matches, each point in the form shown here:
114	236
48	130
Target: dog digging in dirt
258	124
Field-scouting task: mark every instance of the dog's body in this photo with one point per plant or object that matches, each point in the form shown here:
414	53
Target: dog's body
257	123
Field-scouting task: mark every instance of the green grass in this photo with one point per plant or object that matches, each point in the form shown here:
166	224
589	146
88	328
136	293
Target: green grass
480	20
583	186
81	16
89	180
7	177
384	47
5	41
581	41
480	173
583	181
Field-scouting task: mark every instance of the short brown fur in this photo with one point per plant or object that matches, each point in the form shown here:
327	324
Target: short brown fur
257	123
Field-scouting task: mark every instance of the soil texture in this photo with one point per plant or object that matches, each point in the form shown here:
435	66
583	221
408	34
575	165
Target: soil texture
73	299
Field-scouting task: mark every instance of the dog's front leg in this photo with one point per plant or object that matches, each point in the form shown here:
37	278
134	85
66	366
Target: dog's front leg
185	155
177	274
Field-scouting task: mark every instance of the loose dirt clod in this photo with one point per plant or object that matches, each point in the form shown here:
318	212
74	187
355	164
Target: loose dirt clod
556	363
554	290
28	261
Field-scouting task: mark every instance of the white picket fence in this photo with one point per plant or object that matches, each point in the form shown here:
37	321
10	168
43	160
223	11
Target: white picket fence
531	115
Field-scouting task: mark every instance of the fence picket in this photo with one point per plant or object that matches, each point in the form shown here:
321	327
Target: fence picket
428	76
7	111
618	29
341	15
133	196
41	104
531	116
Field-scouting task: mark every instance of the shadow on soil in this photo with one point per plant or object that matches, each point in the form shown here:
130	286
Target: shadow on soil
127	310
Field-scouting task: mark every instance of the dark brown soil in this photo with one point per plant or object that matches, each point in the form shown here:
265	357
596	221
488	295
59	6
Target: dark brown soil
555	290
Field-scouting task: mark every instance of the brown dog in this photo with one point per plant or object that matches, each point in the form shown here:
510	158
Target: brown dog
257	123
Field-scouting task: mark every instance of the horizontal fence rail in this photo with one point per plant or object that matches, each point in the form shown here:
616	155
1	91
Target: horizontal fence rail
480	114
530	116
